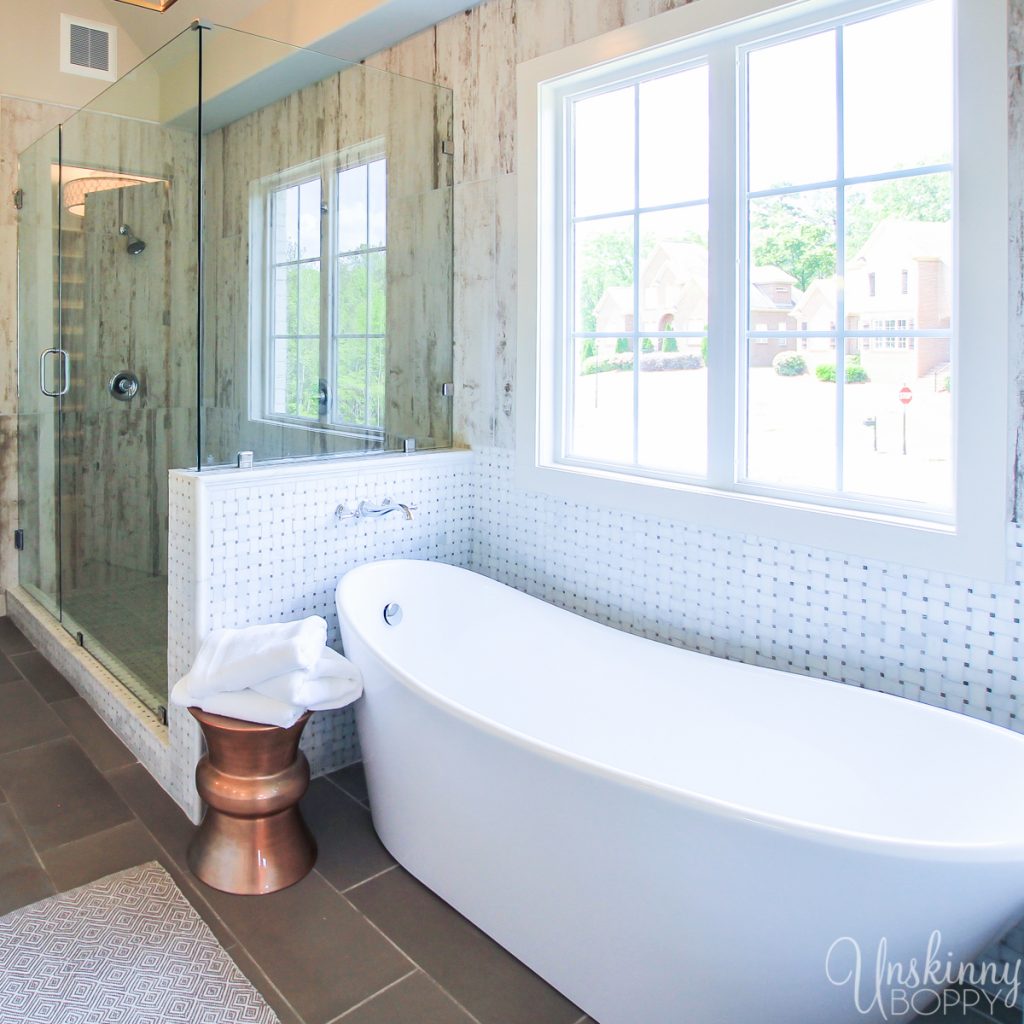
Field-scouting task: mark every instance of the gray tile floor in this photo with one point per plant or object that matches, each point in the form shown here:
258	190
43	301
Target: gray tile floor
358	941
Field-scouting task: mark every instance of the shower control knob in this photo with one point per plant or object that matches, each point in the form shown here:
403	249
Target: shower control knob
123	386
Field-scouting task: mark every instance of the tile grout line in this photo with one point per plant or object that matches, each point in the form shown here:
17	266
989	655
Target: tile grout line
213	913
32	847
415	963
370	998
339	786
356	885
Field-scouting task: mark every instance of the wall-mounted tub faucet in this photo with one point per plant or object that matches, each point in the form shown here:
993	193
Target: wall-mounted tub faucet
364	510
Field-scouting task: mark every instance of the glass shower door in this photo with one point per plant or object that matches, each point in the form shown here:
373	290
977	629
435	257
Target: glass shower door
40	370
129	213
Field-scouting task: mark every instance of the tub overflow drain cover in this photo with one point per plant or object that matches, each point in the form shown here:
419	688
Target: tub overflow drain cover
393	614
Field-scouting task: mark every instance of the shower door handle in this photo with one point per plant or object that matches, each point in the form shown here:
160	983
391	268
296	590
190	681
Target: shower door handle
65	376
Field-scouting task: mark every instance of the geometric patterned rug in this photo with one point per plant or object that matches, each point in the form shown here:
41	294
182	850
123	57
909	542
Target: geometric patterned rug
127	949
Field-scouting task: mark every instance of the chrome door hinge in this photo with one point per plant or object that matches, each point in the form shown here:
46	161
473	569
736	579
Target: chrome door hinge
19	540
447	390
18	198
448	147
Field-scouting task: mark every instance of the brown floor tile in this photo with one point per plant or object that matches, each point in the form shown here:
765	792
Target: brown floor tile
157	811
105	750
57	792
102	853
352	779
8	670
120	847
484	978
12	640
25	718
349	850
22	879
275	1000
414	1000
49	683
321	954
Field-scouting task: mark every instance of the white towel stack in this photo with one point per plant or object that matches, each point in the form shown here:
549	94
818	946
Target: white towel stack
269	674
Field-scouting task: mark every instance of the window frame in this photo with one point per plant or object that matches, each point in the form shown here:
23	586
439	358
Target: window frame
261	288
972	541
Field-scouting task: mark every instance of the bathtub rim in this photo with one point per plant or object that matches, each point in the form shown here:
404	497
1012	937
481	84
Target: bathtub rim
1002	851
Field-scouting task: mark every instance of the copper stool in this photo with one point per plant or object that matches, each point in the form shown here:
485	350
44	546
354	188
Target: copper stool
253	839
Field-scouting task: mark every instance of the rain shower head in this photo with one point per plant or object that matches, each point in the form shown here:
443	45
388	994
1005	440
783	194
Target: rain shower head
135	245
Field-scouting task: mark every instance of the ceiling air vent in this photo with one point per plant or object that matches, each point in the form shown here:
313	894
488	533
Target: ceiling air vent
88	48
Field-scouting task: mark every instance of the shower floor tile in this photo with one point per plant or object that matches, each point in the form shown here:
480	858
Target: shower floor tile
125	623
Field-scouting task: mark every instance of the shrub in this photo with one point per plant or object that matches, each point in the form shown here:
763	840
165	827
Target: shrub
704	349
589	349
855	373
670	345
623	345
789	364
647	345
655	361
619	361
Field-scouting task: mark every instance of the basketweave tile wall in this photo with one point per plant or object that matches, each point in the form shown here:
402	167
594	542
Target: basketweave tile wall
943	640
264	545
272	550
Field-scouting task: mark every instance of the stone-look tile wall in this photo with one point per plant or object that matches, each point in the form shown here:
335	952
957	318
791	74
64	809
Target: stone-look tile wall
356	106
21	123
125	312
475	54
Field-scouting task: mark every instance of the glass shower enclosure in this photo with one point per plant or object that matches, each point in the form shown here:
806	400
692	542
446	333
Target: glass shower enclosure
241	246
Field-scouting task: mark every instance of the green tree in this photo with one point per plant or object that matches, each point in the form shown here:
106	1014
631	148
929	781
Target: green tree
796	233
927	198
607	262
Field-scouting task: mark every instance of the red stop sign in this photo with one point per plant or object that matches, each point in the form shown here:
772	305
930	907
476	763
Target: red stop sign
906	396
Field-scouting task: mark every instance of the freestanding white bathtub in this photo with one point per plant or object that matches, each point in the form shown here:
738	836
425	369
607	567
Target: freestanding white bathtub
670	838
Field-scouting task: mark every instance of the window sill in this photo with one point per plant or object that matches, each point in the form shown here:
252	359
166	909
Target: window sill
904	541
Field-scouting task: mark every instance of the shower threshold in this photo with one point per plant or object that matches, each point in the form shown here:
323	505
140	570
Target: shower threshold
130	619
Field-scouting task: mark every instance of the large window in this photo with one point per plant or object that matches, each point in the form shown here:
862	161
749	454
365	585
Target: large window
757	288
320	294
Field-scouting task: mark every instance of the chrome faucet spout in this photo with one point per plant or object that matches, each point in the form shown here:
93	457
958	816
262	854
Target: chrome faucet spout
365	510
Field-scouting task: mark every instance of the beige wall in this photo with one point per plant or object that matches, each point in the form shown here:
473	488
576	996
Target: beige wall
30	44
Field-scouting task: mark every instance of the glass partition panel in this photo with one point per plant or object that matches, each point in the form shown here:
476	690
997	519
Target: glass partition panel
327	261
128	275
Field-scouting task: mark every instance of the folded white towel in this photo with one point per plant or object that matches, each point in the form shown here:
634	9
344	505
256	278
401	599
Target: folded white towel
235	659
333	680
246	705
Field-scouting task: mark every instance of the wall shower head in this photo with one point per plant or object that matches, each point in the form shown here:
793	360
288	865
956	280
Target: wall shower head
135	245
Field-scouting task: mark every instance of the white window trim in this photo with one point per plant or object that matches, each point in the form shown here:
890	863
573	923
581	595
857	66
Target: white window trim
975	545
260	263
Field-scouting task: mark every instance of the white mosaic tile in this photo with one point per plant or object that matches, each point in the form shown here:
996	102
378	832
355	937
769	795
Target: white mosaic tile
267	547
943	640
